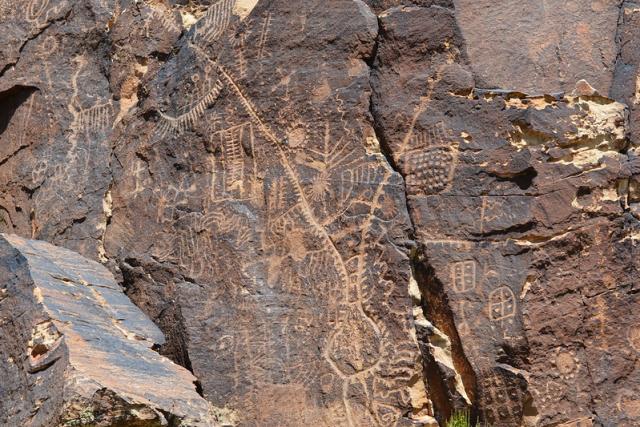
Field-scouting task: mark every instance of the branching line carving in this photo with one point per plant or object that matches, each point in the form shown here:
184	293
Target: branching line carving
319	230
214	22
177	125
347	309
165	21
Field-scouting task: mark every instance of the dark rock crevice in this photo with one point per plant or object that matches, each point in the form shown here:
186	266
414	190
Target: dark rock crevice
11	100
144	288
437	310
439	379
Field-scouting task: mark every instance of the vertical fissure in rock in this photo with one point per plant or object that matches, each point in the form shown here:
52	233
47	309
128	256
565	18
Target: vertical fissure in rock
432	313
165	314
447	398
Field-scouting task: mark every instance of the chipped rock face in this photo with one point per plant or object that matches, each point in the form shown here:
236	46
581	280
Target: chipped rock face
87	359
519	205
358	213
288	232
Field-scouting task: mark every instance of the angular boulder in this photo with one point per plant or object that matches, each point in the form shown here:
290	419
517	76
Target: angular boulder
74	350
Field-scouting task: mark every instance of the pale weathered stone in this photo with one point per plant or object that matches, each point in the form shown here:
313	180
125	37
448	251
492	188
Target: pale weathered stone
76	351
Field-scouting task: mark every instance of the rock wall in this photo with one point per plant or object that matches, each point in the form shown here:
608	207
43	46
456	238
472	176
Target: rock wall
348	212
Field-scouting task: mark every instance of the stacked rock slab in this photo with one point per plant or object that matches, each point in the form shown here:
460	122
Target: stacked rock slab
75	351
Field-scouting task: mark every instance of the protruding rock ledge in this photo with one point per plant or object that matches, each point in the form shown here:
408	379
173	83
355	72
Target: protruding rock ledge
75	351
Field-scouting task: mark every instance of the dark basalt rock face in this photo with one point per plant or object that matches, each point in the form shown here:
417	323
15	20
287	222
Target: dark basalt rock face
341	213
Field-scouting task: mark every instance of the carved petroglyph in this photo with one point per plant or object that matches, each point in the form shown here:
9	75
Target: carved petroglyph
428	155
352	356
39	12
39	172
362	175
549	392
233	157
566	363
214	23
259	203
196	236
49	45
140	177
239	49
264	33
160	14
176	125
333	161
166	20
95	118
502	305
63	174
429	164
463	276
234	169
434	136
171	197
276	195
431	170
501	399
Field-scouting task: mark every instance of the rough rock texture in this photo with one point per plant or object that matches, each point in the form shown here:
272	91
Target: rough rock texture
520	204
252	179
76	351
348	212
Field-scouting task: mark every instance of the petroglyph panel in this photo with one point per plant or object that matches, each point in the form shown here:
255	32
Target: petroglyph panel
518	207
248	169
429	161
288	232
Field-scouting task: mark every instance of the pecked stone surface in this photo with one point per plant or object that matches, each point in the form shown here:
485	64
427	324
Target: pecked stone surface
520	208
338	218
281	215
76	351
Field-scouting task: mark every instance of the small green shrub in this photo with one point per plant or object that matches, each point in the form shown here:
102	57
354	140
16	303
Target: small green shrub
459	419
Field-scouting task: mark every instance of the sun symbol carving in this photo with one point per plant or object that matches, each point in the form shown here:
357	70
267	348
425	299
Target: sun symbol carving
388	207
320	188
566	363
